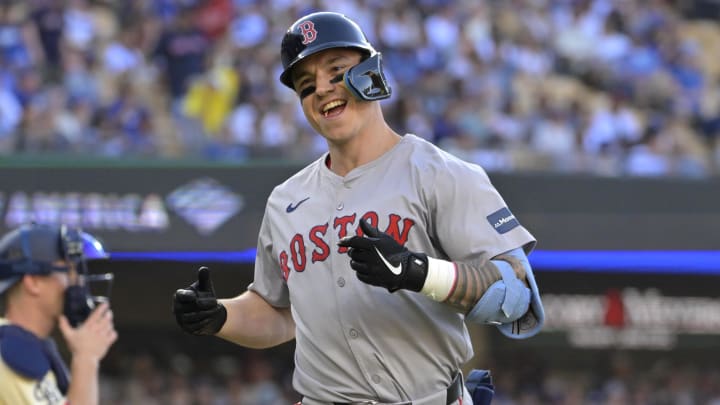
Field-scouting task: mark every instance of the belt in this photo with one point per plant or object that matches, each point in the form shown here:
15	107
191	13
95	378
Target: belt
453	392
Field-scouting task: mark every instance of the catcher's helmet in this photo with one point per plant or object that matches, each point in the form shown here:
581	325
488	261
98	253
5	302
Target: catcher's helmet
43	249
324	30
35	248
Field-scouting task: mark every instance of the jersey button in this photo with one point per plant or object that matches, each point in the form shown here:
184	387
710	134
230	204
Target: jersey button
376	379
340	206
341	282
354	334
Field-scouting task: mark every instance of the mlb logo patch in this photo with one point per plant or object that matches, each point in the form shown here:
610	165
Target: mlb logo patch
503	220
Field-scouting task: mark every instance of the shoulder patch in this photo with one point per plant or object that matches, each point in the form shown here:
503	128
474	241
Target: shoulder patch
503	220
23	352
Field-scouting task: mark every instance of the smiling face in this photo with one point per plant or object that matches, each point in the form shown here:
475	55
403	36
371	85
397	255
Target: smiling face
328	105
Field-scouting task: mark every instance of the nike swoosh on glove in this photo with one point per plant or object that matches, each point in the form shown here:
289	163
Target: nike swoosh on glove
380	261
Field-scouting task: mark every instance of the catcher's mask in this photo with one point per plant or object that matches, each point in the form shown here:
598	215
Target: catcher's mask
43	249
325	30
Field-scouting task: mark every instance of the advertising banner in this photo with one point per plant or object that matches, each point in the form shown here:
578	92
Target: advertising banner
630	311
144	209
214	208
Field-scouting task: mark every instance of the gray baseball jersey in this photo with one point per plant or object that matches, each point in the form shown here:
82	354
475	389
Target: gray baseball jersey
354	340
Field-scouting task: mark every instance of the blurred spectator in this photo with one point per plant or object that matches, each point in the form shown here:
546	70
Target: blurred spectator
80	30
250	377
508	126
79	82
128	116
19	45
181	51
210	97
249	28
214	16
261	387
650	157
47	15
554	135
613	44
124	53
11	113
613	128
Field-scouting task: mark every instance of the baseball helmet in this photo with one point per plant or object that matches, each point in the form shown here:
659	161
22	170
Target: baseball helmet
42	249
324	30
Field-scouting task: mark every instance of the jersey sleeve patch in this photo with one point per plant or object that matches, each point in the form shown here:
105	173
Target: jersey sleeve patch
503	220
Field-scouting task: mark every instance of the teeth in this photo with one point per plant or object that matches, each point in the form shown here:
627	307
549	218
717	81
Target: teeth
332	105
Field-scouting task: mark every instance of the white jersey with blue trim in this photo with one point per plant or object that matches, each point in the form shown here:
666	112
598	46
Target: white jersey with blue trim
355	340
19	389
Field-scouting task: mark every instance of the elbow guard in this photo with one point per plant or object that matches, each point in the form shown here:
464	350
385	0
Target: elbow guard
504	301
509	304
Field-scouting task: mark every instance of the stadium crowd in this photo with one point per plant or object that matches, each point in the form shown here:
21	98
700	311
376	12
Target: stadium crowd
259	378
601	86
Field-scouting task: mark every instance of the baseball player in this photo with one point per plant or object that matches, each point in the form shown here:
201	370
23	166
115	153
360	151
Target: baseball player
40	284
375	256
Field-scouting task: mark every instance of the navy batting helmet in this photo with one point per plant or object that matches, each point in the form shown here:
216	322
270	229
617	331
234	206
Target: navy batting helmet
324	30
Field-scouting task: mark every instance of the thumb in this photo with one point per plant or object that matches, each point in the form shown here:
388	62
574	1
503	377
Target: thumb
204	283
65	327
369	230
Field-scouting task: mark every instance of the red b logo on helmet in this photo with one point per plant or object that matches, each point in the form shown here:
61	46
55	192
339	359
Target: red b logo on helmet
307	29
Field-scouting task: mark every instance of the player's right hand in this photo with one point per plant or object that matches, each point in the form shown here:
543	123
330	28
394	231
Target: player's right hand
90	340
196	308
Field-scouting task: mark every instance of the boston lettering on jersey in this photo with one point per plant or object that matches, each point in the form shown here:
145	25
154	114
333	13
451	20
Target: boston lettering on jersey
316	239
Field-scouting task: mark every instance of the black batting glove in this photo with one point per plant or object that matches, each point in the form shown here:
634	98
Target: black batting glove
196	308
379	260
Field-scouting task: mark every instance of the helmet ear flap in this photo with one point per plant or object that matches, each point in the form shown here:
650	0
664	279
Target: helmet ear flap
366	80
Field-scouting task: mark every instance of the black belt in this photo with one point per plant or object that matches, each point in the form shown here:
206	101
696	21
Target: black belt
453	393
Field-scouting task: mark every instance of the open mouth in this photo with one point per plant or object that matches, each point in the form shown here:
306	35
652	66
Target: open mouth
333	108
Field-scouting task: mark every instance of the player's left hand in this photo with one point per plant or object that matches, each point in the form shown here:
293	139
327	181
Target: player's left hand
379	260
